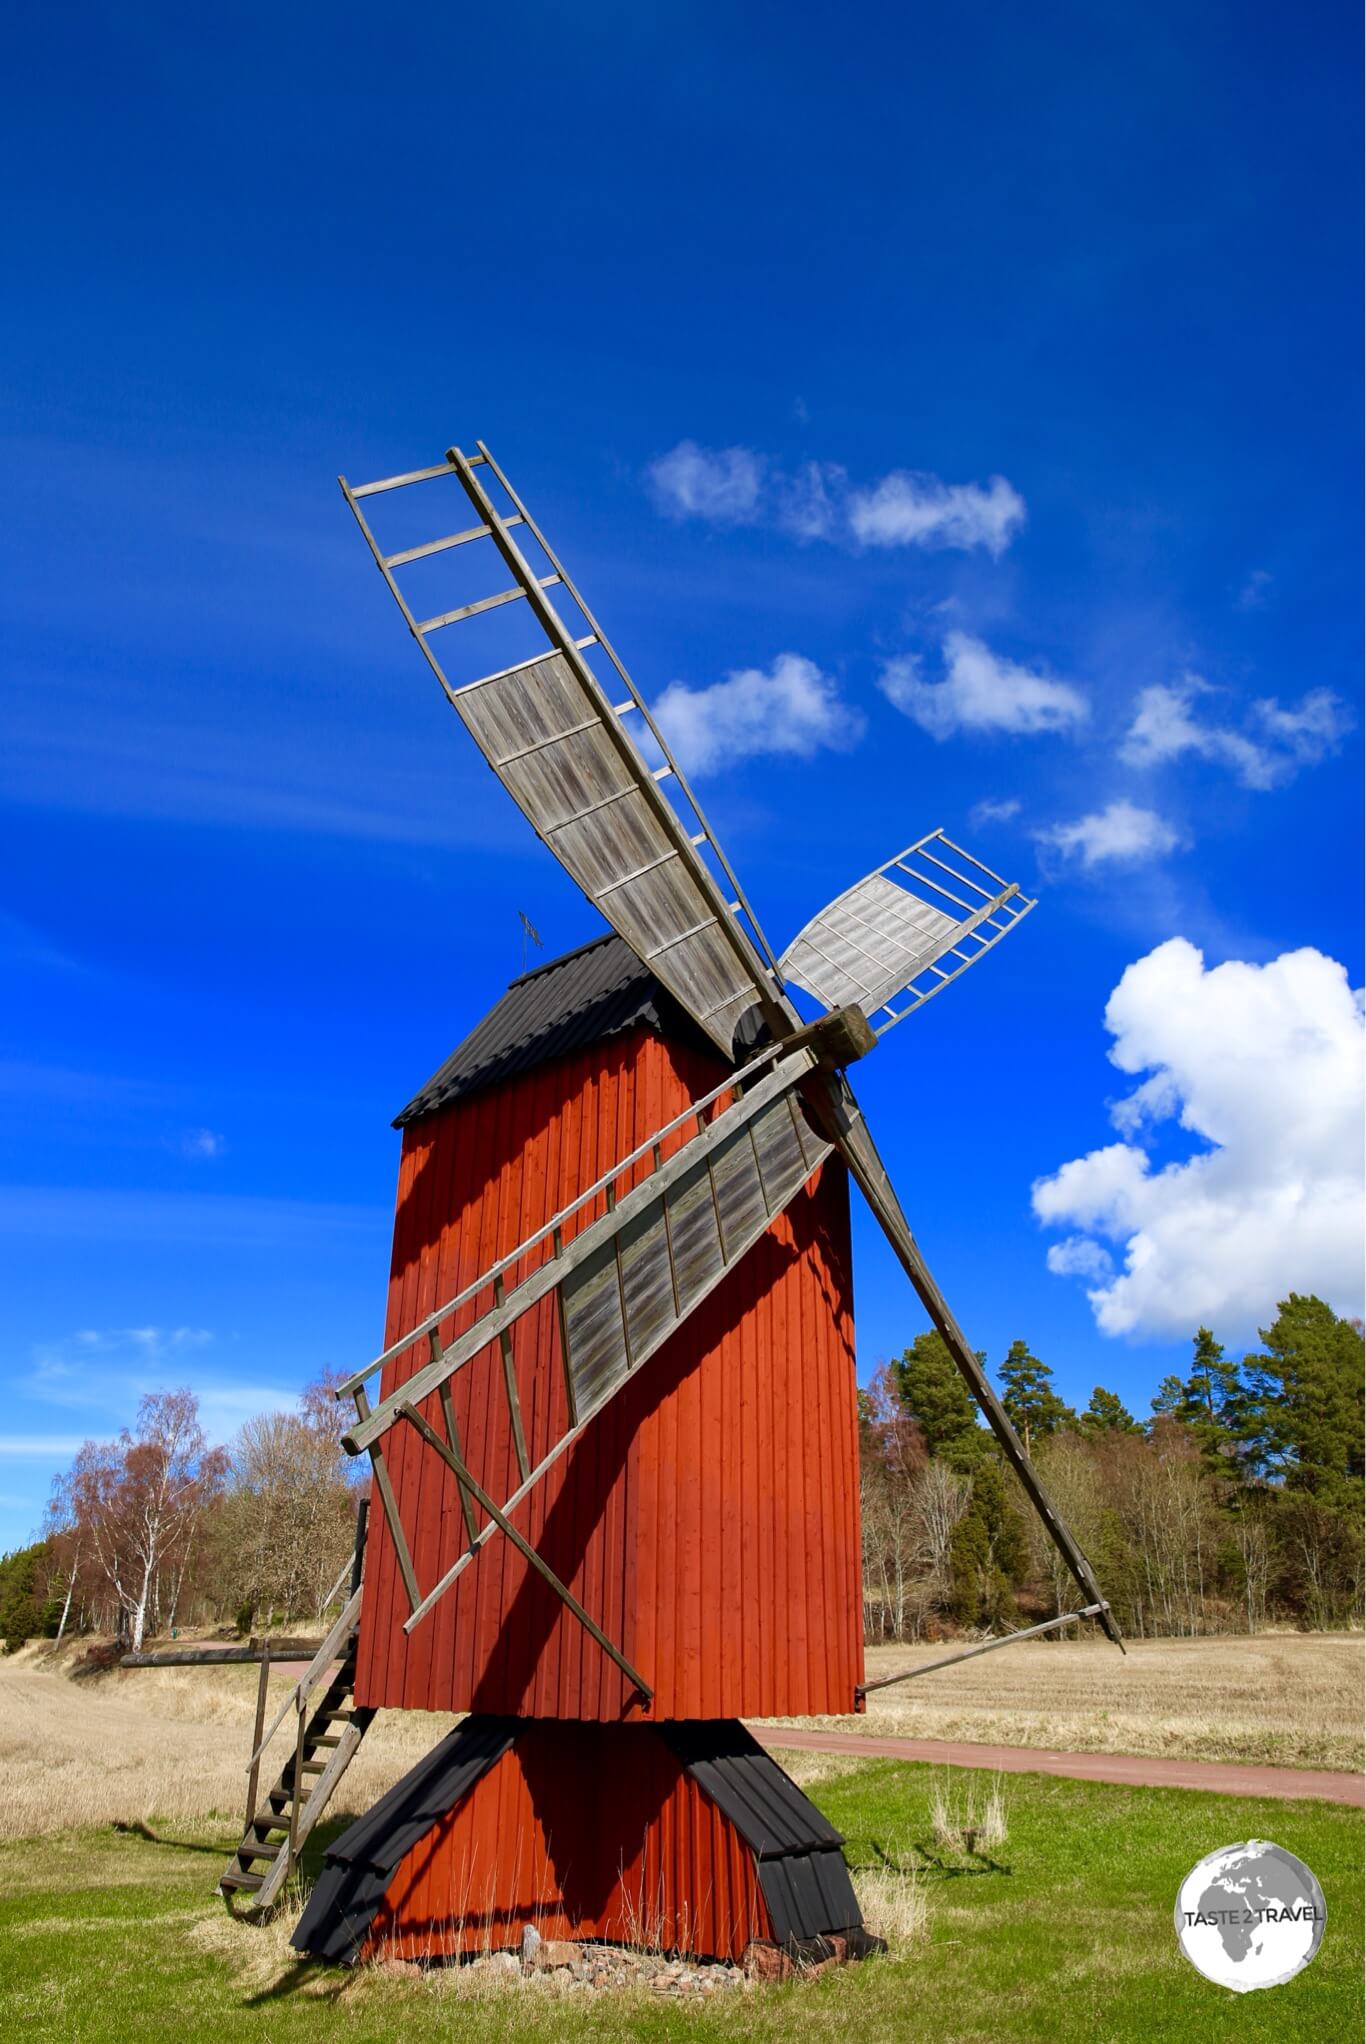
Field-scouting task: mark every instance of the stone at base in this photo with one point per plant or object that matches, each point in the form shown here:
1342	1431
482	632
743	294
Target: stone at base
764	1960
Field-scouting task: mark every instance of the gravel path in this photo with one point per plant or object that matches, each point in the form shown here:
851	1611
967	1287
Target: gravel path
1138	1771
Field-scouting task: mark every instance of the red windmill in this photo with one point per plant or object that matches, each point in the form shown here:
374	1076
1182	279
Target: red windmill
615	1442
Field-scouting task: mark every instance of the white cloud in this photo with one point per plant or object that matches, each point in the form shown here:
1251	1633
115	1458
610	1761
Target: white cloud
1079	1256
809	504
906	509
1264	1065
791	708
97	1365
718	485
991	811
1164	728
981	691
50	1447
1119	832
1308	733
740	486
200	1142
1253	593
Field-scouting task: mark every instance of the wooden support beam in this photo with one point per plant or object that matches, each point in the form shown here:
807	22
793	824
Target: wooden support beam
387	1500
1010	1639
223	1657
254	1772
453	1436
524	1547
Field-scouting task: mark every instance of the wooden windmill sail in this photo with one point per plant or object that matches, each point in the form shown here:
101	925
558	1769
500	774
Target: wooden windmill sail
578	1268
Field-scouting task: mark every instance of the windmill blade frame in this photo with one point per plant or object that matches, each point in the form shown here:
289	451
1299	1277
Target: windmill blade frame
880	942
563	751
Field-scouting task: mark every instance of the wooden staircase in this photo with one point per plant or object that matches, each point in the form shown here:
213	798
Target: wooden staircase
328	1729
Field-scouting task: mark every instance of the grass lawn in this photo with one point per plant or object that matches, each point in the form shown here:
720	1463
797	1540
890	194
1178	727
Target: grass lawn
1064	1933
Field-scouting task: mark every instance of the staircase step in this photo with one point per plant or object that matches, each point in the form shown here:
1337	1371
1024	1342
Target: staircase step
246	1852
324	1739
249	1882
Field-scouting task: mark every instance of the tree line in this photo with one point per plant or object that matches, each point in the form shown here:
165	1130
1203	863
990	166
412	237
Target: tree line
156	1530
1236	1503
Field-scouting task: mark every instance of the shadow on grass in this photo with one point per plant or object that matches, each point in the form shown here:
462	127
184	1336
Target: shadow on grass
140	1830
927	1862
300	1974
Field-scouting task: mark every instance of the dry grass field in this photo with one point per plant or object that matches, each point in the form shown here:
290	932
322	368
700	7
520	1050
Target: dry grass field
172	1743
1283	1699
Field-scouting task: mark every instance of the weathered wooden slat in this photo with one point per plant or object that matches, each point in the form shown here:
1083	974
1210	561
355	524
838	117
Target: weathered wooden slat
647	1281
440	546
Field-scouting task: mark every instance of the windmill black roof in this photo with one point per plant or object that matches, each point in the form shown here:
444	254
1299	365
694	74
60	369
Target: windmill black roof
563	1006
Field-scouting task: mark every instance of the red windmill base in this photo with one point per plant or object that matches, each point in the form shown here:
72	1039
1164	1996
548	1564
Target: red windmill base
707	1519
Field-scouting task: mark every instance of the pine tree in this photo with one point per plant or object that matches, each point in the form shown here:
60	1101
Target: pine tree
1170	1393
989	1553
1213	1403
1028	1396
1305	1401
1106	1414
934	1395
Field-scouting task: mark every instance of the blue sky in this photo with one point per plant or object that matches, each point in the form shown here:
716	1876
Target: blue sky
256	880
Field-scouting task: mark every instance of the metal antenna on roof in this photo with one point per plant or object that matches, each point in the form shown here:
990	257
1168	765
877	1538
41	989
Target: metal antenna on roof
528	930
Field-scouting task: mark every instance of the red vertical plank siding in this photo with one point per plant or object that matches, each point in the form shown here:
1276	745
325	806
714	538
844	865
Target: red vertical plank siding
538	1842
708	1519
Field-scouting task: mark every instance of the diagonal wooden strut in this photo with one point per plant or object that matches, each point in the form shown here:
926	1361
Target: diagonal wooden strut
523	1545
990	1646
843	1116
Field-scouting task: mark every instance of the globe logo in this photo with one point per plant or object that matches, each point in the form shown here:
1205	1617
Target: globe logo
1250	1916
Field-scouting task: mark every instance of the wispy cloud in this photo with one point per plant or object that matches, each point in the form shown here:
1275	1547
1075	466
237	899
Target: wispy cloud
730	486
989	810
1268	752
1120	834
105	1371
909	509
200	1143
54	1448
982	691
789	708
214	1221
99	1367
720	485
1255	590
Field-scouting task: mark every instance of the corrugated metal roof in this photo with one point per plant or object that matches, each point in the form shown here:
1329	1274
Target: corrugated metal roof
565	1005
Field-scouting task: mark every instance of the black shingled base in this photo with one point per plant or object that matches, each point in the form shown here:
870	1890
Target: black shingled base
802	1875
